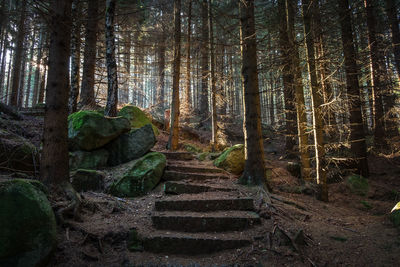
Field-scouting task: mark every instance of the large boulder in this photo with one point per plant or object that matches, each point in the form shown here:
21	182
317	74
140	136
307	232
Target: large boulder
17	153
137	117
142	177
131	145
232	159
87	180
89	130
88	160
27	224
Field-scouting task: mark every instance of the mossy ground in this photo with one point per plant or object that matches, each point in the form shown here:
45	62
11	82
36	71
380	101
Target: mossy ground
358	184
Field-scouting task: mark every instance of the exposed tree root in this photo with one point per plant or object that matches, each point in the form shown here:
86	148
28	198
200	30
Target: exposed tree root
72	208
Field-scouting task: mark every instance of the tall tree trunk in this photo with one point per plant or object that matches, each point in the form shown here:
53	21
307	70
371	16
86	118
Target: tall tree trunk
188	100
28	86
288	82
89	57
43	80
127	63
7	88
214	124
378	77
254	170
22	80
173	140
54	164
161	71
299	94
112	92
75	56
39	56
19	49
391	11
204	62
357	135
316	104
3	72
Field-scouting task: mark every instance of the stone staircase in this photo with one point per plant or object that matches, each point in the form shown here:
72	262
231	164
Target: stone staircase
196	214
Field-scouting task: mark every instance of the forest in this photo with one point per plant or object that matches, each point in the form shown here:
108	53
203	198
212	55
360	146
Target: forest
199	133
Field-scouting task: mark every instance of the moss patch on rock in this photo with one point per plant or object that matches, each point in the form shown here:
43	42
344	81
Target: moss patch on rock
192	148
142	177
27	224
232	159
88	160
137	117
89	130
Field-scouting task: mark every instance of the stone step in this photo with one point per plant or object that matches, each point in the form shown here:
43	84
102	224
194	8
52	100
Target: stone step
192	243
206	204
178	155
176	187
179	176
194	169
204	222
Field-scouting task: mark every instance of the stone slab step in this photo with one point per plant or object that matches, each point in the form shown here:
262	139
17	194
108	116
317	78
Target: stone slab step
178	155
179	176
177	187
199	205
192	244
194	169
205	222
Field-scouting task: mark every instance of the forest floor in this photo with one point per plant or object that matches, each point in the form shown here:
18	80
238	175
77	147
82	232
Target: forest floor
350	230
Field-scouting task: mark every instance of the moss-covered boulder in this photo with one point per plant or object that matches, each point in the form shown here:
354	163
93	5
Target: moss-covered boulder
232	159
88	160
87	180
17	153
358	184
27	224
89	130
192	148
142	177
130	146
137	117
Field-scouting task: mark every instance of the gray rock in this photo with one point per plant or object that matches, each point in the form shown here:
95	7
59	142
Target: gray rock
88	160
27	224
132	145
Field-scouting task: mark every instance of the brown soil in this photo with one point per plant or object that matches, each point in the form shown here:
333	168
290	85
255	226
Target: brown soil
350	230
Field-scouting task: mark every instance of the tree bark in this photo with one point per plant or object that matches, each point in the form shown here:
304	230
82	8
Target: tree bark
19	49
378	77
28	86
36	84
161	71
204	62
254	170
188	100
299	95
54	161
391	12
214	124
288	80
89	61
173	140
112	95
75	56
357	135
316	103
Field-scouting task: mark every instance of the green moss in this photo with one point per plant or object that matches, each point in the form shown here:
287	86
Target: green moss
366	204
232	159
395	218
339	238
27	223
192	148
202	156
137	117
135	242
358	184
80	117
142	177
